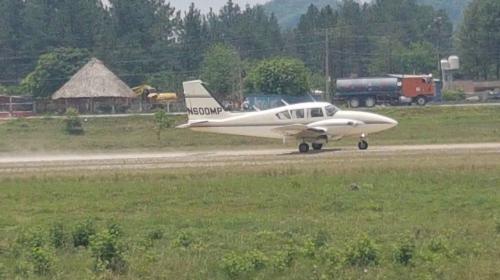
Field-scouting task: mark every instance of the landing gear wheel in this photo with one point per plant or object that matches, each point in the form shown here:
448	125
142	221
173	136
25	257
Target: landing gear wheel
421	101
369	102
363	145
304	148
354	102
317	147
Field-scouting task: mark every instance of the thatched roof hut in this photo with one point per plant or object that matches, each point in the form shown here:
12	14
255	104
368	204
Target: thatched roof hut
95	88
94	80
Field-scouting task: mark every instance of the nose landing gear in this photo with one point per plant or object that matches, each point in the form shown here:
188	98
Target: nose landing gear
362	144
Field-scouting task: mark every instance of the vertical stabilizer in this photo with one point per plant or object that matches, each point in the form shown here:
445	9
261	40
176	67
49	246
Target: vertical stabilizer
200	104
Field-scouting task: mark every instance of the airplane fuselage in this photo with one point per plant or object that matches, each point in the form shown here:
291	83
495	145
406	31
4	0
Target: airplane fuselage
312	123
264	123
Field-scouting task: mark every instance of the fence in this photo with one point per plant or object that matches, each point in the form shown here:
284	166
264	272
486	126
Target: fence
16	106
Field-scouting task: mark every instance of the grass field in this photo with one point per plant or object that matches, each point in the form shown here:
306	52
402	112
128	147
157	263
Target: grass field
416	126
424	217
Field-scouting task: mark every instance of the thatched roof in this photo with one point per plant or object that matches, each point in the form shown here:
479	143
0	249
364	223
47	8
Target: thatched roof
92	81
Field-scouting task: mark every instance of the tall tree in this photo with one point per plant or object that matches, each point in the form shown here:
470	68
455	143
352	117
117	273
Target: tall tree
279	76
479	40
193	40
221	69
12	38
53	70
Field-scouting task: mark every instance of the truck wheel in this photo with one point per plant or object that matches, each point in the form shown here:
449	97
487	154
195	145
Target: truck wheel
421	101
370	102
354	102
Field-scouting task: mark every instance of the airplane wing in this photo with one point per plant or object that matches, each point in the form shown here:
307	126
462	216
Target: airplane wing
300	130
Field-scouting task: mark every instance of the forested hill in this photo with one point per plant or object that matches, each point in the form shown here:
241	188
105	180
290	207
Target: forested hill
454	8
288	12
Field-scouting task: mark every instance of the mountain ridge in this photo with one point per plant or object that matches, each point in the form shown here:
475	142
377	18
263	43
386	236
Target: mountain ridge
288	12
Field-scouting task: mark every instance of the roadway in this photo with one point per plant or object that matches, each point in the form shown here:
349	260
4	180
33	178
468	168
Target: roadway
216	158
183	113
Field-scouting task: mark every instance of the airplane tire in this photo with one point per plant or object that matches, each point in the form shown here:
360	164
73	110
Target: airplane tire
363	145
304	148
317	147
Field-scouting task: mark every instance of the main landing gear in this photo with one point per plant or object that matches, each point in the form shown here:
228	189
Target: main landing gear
362	144
317	146
304	147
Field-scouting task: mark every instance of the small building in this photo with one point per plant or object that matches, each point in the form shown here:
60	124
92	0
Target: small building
95	89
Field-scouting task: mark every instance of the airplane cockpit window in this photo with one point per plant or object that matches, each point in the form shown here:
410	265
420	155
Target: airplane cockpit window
331	110
316	112
298	114
285	115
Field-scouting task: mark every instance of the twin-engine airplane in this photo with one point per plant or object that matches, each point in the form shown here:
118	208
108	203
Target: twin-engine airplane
313	123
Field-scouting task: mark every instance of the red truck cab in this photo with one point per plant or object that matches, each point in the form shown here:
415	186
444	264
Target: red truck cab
417	88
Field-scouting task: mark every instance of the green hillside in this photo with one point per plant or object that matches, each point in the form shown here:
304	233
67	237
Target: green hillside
289	12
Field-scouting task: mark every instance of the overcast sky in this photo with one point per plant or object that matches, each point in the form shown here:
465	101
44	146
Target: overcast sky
205	5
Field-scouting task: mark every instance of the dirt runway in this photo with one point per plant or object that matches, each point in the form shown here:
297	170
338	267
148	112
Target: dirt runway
123	161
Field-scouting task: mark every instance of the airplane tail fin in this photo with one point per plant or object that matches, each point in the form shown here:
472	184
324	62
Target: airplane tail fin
201	105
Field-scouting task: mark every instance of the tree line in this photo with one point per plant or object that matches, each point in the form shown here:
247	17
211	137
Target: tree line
42	43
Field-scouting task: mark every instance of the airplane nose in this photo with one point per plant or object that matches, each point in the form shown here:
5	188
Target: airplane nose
386	121
392	122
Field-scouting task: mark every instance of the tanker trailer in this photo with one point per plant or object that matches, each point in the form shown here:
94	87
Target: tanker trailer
368	91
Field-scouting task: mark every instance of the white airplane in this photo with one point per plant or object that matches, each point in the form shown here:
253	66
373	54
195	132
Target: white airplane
314	123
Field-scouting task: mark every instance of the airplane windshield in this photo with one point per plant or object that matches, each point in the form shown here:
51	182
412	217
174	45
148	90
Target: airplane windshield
331	110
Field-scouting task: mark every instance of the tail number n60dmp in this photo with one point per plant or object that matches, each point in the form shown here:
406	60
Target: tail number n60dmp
204	111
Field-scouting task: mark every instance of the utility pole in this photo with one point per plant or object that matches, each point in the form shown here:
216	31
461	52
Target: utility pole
438	22
327	66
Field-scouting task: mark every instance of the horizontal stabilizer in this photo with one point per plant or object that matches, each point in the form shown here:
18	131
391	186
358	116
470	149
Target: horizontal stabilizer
189	124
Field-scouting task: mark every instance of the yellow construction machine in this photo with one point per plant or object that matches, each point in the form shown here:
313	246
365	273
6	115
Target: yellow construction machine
151	94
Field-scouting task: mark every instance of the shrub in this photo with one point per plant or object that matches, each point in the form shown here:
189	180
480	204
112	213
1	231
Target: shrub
31	238
321	239
183	239
73	124
235	265
57	236
363	252
282	260
497	226
82	233
42	261
404	252
162	121
452	95
155	234
438	244
107	252
115	229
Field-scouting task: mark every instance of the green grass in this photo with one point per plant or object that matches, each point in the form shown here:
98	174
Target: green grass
249	219
416	126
